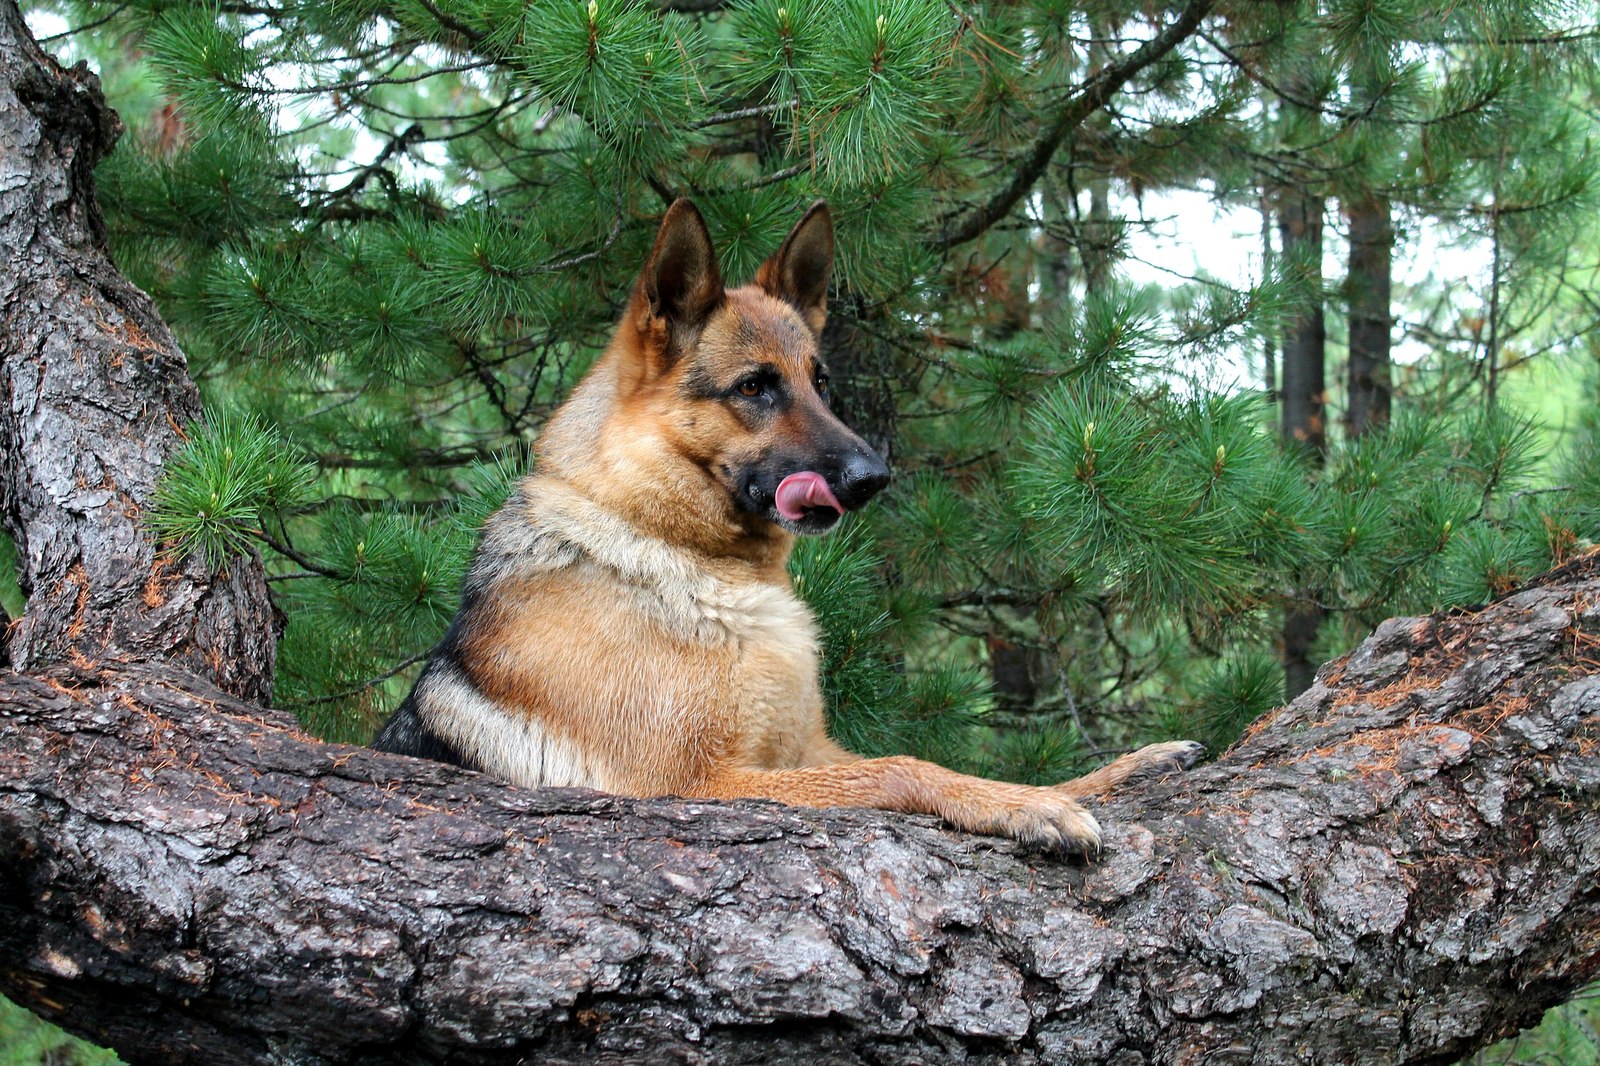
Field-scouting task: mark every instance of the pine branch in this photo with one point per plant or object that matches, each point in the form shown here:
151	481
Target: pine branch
288	551
400	143
423	457
85	27
1573	36
452	24
335	697
751	932
595	253
743	112
317	89
1092	95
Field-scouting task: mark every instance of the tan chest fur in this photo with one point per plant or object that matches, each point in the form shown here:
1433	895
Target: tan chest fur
644	665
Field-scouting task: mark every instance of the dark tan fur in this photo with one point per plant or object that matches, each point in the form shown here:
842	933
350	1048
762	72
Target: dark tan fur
631	626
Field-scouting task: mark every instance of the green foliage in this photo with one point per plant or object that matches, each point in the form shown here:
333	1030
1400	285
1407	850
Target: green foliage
1566	1036
201	59
780	42
1040	755
220	187
221	486
875	708
479	269
1229	695
1165	502
750	224
1580	470
869	96
26	1040
618	64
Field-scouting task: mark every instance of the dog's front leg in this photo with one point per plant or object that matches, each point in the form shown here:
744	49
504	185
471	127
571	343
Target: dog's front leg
1039	816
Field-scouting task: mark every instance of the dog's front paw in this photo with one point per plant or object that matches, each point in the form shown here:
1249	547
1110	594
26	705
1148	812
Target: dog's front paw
1155	759
1152	760
1037	817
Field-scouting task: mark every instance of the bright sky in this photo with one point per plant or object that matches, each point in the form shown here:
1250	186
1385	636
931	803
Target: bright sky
1190	235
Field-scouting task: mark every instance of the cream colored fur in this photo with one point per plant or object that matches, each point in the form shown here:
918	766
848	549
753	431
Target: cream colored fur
505	743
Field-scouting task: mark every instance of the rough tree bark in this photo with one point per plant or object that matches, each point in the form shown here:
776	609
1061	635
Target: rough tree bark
96	393
1397	867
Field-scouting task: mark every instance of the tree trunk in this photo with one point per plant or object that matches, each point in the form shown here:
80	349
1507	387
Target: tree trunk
97	391
865	372
1096	239
1303	375
1269	341
1400	866
1368	291
1302	398
1020	666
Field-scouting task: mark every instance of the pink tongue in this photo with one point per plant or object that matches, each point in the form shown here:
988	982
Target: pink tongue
807	489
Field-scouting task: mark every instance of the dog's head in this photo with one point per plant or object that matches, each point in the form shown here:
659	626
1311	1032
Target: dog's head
735	377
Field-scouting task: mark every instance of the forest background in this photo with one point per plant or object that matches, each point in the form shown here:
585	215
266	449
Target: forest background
1201	337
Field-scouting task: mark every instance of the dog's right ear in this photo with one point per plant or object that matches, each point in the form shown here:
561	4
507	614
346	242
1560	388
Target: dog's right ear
680	285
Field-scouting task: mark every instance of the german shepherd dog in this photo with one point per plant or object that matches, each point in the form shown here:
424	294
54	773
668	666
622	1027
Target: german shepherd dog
628	623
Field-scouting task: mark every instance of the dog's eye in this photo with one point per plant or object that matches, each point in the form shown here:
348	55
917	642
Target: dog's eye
750	387
822	382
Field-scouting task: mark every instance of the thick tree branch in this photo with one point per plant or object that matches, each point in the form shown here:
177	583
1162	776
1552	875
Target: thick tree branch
1094	94
1396	868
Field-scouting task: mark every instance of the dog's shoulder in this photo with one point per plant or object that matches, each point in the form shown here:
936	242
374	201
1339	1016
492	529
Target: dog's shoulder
518	540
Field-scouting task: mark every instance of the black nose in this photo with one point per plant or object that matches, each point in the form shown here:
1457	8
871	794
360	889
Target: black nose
861	478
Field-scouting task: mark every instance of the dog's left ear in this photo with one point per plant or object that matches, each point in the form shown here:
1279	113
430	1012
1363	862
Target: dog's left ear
799	270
